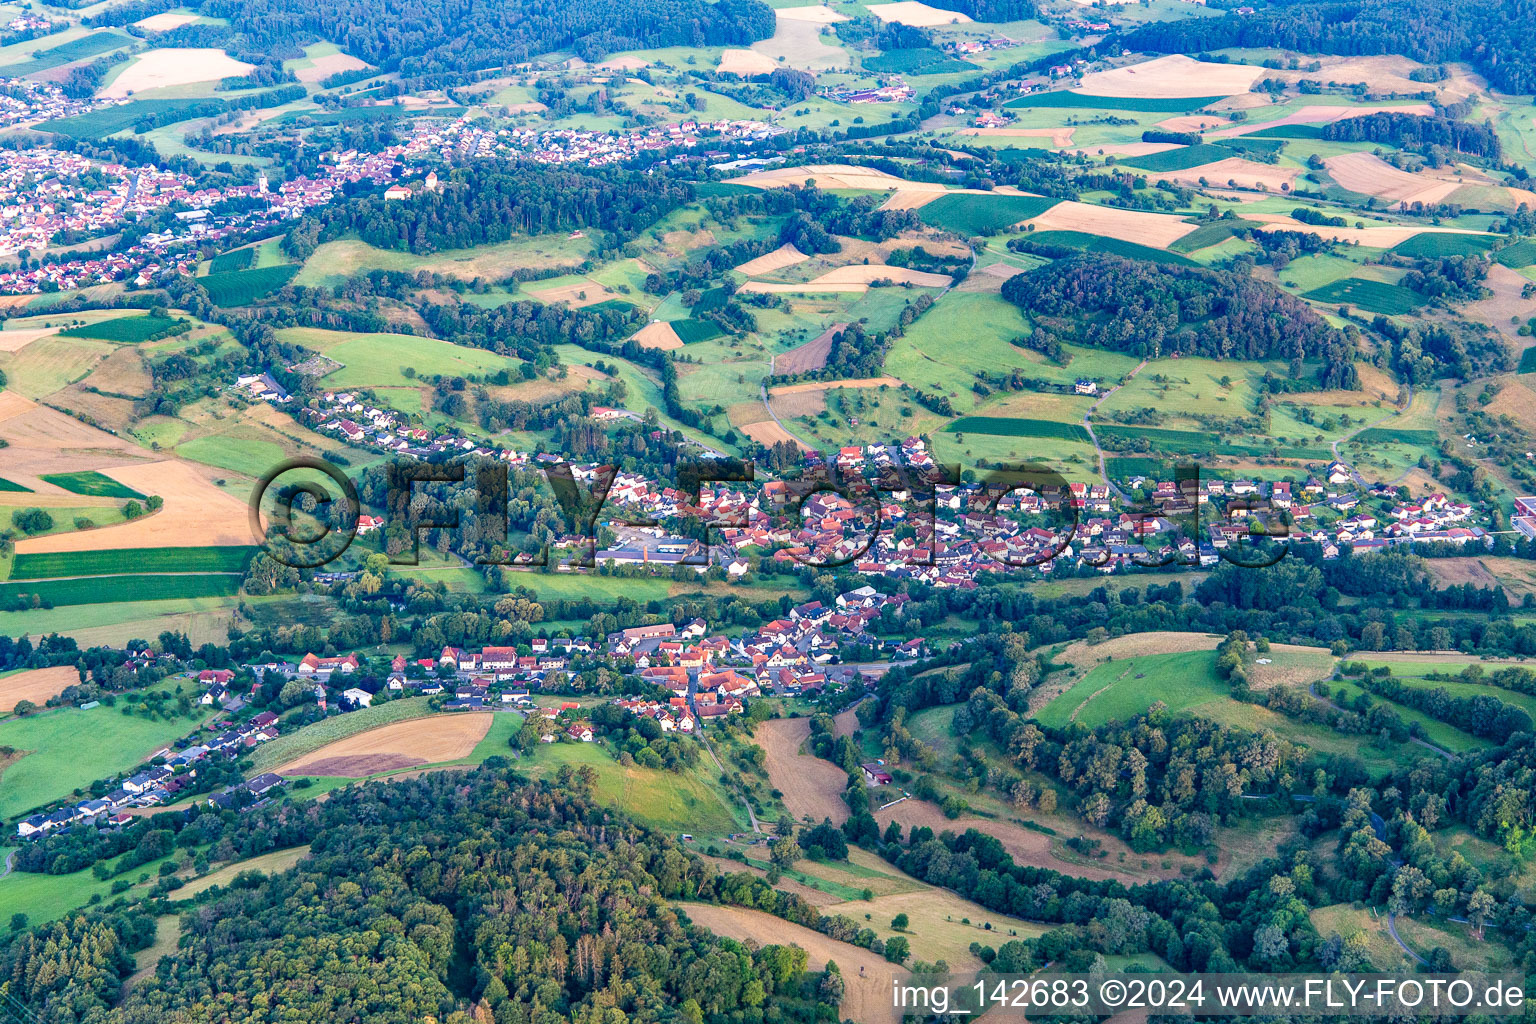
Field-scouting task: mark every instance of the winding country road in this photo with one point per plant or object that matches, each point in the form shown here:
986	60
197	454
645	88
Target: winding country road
1392	930
1412	739
1088	426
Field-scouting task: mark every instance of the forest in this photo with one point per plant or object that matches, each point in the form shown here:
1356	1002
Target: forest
418	38
1494	36
1152	310
1418	133
451	897
485	204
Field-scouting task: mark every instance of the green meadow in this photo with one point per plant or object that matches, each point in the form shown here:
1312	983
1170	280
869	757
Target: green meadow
68	749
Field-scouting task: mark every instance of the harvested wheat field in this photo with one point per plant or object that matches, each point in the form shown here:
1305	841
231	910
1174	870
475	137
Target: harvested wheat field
1370	175
867	978
43	440
1237	172
1193	123
1025	846
850	176
802	403
417	741
582	293
815	897
1060	138
1002	271
1496	310
624	64
810	356
812	787
1171	77
767	432
165	22
746	63
321	68
856	277
1289	663
1084	656
1126	148
36	685
196	515
936	923
1517	400
1382	236
1319	114
807	288
906	199
866	273
783	256
16	340
919	15
829	385
1154	229
155	69
1387	74
658	335
817	14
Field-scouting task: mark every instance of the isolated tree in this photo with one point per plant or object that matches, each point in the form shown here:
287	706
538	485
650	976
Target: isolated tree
1479	907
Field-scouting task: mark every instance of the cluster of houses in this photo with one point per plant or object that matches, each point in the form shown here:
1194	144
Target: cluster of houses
963	531
595	149
892	91
41	195
158	784
27	102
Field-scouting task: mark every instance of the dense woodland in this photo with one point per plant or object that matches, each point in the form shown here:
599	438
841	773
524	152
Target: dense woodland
1153	310
485	204
1417	133
1493	35
450	897
425	39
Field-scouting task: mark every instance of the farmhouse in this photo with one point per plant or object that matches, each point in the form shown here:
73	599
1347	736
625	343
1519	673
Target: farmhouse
875	774
314	665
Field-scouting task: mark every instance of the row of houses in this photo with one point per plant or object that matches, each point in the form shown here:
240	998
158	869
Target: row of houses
155	785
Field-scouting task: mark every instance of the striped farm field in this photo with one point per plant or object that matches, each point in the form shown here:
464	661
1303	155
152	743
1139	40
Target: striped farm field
691	331
967	214
1012	426
1437	244
129	329
97	485
1371	296
1391	435
111	589
55	564
1521	254
1105	244
240	287
1143	104
1197	442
